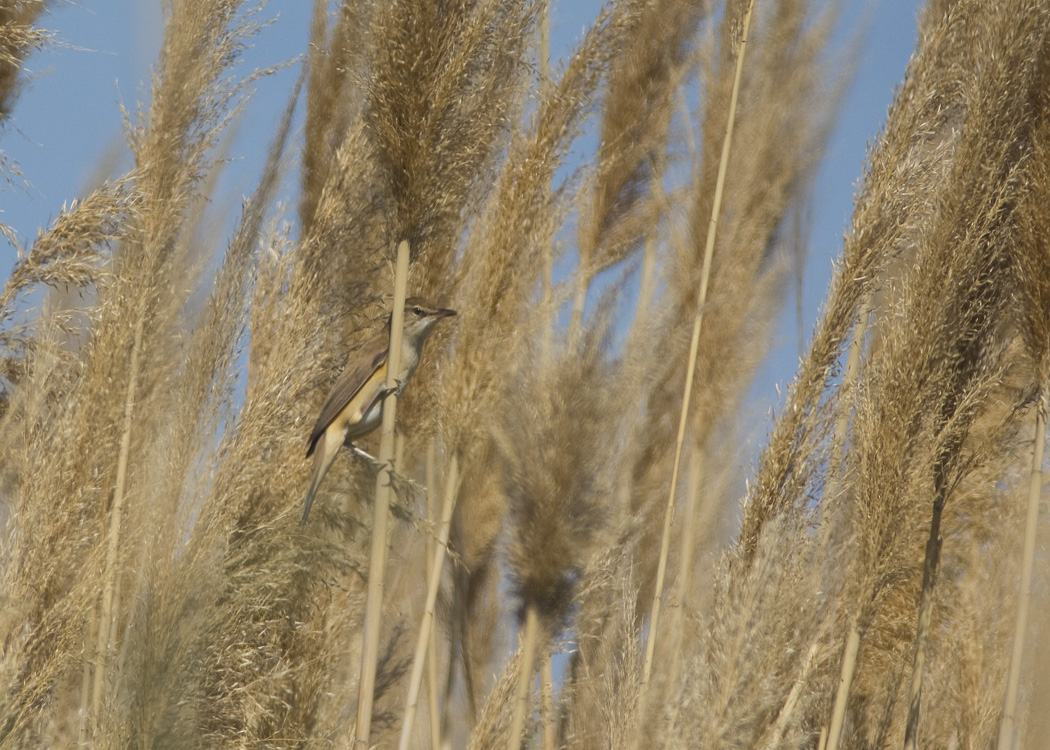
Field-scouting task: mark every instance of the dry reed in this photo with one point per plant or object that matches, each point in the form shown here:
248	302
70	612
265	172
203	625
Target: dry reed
157	588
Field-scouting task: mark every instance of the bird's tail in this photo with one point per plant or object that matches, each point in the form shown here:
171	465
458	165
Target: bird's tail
324	455
310	493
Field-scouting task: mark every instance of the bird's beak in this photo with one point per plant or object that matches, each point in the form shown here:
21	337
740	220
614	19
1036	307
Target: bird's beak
444	313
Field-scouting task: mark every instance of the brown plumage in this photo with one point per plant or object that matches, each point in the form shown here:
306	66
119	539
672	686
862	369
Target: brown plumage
359	377
355	403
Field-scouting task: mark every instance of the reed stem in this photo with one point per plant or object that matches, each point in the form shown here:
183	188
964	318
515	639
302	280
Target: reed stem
110	595
381	511
849	666
521	702
1035	489
694	346
426	627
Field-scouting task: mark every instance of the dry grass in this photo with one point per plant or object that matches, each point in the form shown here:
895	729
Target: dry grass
157	588
20	35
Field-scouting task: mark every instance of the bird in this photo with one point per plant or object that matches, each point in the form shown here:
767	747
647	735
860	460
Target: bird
355	404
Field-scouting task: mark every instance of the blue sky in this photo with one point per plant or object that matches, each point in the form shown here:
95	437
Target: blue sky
68	118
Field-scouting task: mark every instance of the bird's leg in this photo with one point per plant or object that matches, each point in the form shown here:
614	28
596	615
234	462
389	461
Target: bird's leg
362	454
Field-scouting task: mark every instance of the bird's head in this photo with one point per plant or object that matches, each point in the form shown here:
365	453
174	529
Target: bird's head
420	317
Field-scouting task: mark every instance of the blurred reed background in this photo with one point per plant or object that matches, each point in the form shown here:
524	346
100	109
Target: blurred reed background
878	580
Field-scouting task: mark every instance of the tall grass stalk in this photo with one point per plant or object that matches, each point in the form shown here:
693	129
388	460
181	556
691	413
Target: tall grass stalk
1024	600
555	403
529	641
694	345
381	509
433	685
849	380
791	702
694	488
425	640
929	580
110	600
547	267
547	718
845	684
546	338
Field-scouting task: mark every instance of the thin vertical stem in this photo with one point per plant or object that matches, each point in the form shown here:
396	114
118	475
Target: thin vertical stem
685	564
426	627
110	598
381	511
521	703
786	711
579	300
922	633
838	445
547	334
433	701
647	280
647	276
685	560
694	345
86	679
432	665
545	48
547	693
1035	488
829	518
849	666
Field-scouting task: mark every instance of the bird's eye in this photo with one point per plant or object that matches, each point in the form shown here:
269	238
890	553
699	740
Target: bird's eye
418	311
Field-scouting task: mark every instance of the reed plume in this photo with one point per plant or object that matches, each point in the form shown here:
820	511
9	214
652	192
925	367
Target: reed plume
161	362
20	35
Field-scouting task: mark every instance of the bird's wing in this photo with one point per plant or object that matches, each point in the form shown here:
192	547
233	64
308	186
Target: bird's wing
348	384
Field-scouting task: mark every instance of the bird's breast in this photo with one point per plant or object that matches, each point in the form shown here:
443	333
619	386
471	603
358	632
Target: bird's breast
365	411
369	420
409	363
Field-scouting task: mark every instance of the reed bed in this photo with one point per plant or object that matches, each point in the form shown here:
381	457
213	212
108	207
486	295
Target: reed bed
875	580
